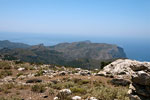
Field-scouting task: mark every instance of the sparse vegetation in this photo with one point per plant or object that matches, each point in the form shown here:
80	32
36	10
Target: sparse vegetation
19	74
78	90
66	54
5	65
5	73
39	88
82	86
5	88
51	91
12	98
39	73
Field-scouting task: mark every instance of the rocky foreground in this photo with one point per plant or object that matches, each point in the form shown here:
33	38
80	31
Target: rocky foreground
123	79
137	72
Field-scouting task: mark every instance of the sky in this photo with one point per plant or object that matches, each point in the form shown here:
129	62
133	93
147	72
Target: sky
113	18
125	23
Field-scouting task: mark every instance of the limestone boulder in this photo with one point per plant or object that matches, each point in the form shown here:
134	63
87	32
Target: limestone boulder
124	67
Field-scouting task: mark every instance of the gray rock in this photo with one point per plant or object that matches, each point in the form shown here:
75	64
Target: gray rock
34	81
141	78
64	94
125	67
142	90
140	87
120	82
84	72
62	73
76	98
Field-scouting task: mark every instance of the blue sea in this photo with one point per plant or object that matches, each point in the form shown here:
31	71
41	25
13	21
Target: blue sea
135	48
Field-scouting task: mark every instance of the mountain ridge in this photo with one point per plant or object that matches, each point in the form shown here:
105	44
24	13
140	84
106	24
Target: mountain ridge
84	54
12	45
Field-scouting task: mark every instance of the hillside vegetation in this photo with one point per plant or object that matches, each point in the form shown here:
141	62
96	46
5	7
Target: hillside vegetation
77	54
23	81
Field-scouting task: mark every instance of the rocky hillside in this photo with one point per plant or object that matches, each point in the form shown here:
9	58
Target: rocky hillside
123	79
77	54
25	81
86	49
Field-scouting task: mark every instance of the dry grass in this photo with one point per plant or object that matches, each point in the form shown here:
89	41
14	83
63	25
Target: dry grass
39	88
83	86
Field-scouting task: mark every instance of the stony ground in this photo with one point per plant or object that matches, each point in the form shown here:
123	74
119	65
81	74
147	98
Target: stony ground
24	81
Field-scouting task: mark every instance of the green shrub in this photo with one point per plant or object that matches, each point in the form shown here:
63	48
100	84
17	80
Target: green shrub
39	73
69	84
51	91
19	74
82	82
57	86
78	90
74	71
76	80
5	65
104	63
38	88
5	73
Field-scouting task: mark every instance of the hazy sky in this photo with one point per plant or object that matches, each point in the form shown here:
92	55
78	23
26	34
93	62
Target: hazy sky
127	18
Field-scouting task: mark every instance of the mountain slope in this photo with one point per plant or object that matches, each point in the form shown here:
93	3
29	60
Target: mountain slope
86	49
77	54
35	54
8	44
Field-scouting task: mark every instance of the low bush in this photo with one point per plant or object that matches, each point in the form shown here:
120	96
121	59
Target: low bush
19	74
38	88
78	90
51	91
5	88
39	73
57	86
5	73
5	65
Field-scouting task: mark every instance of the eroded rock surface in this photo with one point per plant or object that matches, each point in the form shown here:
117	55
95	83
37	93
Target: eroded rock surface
137	72
124	68
140	87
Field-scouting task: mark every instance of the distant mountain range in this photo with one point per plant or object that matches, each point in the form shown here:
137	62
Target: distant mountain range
82	54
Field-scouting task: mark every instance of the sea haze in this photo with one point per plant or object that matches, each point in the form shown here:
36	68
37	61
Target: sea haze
135	48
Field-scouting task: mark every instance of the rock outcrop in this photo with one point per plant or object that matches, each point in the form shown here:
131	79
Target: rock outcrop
140	87
137	72
124	68
120	82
